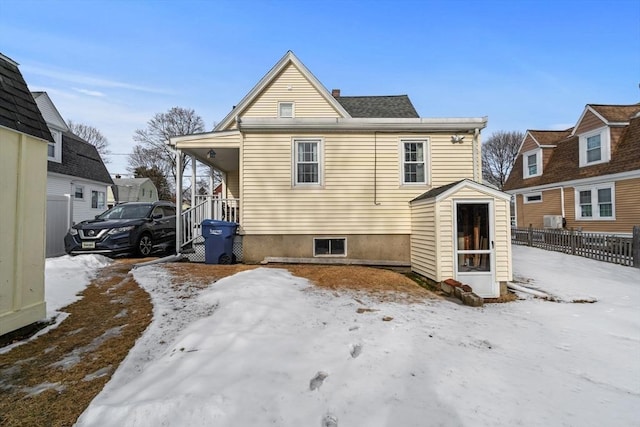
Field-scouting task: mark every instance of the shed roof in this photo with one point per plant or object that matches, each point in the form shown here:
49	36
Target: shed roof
18	110
396	106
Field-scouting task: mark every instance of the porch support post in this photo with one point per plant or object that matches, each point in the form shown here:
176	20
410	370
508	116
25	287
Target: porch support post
179	225
194	180
210	200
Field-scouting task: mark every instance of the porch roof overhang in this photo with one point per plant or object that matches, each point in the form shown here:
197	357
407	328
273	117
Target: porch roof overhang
226	145
364	124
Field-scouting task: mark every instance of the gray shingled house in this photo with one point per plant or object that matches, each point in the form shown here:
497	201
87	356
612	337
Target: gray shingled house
77	179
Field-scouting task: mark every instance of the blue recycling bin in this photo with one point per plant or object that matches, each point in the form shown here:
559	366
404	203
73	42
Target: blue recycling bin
218	241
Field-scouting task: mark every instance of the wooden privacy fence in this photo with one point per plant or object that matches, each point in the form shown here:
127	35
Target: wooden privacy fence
602	247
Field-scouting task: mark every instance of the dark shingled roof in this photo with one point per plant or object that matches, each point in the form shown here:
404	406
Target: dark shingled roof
18	110
435	192
397	106
81	159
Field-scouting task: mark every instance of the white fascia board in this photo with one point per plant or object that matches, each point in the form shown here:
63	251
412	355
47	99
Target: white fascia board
583	181
199	136
474	186
588	108
356	124
289	57
524	139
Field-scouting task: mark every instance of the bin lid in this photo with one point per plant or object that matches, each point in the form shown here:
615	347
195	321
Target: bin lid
218	223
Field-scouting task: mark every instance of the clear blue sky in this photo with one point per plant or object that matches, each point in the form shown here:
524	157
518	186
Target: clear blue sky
524	64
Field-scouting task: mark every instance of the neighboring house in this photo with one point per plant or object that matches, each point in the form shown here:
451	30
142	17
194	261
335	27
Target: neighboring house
77	179
132	190
23	141
586	177
310	173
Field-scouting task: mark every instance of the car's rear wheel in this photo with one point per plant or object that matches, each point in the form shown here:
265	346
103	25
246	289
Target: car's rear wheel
145	245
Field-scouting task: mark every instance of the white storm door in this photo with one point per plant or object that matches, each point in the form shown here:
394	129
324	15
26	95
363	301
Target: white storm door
474	243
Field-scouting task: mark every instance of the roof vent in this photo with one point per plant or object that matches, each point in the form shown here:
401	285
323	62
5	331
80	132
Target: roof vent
335	93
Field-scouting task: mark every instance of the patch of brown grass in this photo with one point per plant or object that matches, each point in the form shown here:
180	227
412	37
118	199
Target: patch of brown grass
112	303
383	284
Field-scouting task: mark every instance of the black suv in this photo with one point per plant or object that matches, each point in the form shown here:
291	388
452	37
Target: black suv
128	228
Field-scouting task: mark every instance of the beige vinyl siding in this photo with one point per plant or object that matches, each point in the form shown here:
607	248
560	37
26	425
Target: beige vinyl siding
233	185
424	240
627	209
589	122
354	197
23	174
290	86
533	213
528	145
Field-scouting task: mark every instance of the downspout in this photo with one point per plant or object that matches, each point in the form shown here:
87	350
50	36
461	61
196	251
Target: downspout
375	168
475	150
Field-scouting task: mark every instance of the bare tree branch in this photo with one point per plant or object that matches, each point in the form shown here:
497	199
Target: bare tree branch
152	150
499	153
93	136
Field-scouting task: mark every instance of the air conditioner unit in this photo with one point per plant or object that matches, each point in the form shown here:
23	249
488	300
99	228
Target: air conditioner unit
553	221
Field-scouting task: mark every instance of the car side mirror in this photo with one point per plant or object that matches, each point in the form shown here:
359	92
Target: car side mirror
156	216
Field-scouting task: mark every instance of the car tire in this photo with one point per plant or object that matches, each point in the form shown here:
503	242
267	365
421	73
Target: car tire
145	245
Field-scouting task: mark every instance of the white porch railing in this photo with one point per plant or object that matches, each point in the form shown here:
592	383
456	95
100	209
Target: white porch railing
206	207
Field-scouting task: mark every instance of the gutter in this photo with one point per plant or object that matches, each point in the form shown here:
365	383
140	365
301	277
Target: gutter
362	124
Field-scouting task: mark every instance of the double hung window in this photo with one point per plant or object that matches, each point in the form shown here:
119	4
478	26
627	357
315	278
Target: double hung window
596	202
307	158
414	161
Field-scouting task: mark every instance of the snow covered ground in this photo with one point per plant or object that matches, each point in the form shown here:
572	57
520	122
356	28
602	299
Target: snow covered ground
266	348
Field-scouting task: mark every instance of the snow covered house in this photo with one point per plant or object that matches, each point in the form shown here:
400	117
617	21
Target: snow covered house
77	179
24	137
310	173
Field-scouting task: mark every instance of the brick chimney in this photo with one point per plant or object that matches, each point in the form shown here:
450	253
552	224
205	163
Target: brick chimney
335	93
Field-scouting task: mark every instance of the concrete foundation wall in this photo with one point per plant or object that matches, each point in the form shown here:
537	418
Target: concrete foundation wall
394	247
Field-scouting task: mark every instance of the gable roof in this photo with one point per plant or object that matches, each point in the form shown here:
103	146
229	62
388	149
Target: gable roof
80	159
288	58
616	113
133	184
397	106
549	137
18	110
444	191
563	165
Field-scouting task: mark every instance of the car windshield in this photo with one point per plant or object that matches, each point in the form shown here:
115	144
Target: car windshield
127	212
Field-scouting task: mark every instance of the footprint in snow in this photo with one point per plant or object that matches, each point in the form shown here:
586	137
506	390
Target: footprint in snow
356	349
329	420
316	381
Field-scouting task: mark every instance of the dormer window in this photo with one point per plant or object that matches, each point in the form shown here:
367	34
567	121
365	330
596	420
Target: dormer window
285	110
54	150
595	147
532	161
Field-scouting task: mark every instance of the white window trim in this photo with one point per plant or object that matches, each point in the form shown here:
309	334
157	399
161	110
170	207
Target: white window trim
74	192
57	138
294	162
605	146
527	195
595	206
104	200
330	255
427	160
525	163
293	109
